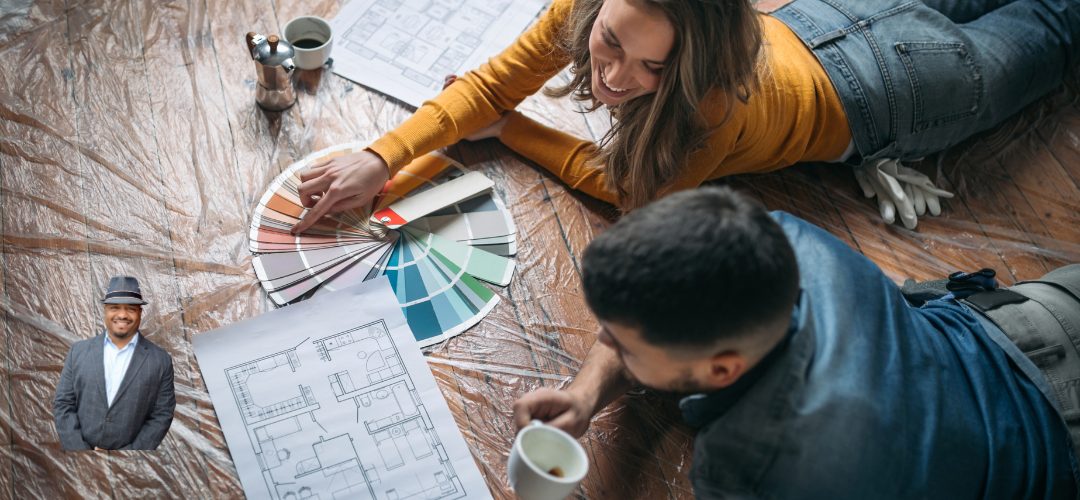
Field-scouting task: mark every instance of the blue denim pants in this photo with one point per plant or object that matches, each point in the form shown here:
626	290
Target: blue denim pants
916	77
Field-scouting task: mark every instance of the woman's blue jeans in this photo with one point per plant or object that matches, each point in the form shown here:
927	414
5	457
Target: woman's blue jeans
916	77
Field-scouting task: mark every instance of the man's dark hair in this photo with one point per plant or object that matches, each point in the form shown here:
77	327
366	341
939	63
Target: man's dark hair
692	268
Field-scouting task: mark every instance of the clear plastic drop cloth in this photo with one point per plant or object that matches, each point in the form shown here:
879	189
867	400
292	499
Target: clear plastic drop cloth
130	143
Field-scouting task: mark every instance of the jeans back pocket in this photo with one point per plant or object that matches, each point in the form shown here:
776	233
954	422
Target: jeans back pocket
946	84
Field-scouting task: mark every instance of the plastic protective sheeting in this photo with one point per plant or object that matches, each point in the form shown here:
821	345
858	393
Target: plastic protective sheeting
130	143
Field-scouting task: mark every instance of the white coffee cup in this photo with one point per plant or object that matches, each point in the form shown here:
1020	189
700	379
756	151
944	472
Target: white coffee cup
538	449
306	29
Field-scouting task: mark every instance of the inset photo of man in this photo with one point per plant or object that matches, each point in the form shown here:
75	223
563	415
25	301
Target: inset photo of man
116	389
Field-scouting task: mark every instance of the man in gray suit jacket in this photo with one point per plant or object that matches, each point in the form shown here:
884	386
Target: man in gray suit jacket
116	389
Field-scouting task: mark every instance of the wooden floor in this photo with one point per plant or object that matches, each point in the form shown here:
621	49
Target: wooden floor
130	143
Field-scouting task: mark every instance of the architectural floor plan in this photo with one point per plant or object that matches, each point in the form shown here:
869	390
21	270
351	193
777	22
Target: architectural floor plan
404	48
344	407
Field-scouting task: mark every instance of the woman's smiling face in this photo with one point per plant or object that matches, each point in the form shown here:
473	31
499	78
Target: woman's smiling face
628	47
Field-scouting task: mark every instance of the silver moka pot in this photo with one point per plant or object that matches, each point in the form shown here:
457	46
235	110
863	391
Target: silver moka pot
274	67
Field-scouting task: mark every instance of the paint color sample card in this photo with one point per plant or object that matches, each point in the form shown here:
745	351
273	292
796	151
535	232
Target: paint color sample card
438	233
330	398
408	209
438	298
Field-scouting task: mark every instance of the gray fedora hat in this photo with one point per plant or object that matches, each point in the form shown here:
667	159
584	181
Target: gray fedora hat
124	290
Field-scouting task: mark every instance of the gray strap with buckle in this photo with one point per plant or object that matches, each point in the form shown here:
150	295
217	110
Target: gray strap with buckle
1035	326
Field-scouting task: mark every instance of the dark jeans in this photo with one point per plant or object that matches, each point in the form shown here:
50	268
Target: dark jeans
916	77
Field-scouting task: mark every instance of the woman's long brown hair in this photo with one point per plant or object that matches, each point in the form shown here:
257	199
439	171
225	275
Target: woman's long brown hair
716	52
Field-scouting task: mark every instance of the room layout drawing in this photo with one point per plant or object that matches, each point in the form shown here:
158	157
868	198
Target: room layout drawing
405	47
307	451
331	398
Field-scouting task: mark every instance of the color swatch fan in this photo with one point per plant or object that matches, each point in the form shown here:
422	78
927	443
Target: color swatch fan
436	233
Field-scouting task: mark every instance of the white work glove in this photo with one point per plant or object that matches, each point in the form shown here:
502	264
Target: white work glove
899	190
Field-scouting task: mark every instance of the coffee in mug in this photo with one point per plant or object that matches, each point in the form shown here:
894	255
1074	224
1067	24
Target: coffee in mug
311	39
545	463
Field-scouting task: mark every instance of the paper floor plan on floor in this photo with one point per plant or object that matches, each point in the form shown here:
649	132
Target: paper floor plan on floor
404	48
332	399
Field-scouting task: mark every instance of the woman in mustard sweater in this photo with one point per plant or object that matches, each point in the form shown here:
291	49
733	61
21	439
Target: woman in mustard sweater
701	89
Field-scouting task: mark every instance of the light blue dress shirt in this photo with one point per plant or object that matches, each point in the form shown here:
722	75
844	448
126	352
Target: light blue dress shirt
116	364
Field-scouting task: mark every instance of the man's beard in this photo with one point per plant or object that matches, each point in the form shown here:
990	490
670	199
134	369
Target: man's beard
684	384
127	333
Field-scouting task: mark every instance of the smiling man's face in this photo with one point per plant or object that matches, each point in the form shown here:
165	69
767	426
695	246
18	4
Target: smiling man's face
122	320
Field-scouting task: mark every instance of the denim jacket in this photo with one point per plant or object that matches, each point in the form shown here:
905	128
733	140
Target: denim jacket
872	398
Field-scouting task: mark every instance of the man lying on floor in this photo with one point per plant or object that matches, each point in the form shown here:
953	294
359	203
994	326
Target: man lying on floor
811	375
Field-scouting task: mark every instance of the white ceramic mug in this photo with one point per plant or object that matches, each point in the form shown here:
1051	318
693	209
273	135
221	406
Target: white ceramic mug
309	28
539	449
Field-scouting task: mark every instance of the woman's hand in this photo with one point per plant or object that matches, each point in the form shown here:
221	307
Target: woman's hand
340	184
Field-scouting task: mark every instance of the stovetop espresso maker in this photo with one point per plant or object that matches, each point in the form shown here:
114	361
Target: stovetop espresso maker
274	67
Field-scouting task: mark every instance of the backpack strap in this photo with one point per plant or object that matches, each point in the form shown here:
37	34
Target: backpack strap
959	284
1066	278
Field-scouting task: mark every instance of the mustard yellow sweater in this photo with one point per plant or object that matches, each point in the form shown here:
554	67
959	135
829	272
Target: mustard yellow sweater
795	114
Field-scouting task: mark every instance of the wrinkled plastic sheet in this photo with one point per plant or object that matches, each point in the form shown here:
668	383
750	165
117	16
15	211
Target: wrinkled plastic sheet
130	143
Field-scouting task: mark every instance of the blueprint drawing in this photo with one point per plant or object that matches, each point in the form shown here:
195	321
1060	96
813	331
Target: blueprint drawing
332	399
404	48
